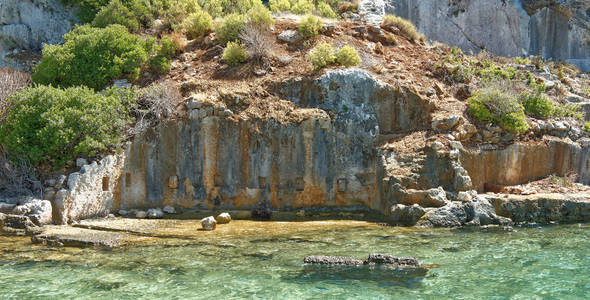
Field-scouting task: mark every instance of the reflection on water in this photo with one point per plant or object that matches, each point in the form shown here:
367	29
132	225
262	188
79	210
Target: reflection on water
550	262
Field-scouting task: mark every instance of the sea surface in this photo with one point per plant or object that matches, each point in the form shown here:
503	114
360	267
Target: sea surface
549	262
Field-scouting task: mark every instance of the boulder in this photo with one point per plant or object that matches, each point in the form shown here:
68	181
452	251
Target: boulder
6	207
407	215
209	223
223	218
40	211
450	215
155	213
140	214
290	36
169	209
123	212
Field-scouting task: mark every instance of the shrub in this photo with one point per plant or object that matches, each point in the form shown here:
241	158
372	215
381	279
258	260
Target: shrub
167	47
94	57
497	107
302	7
347	6
229	28
260	15
348	57
178	10
160	64
309	26
406	27
537	105
325	10
198	24
54	125
86	9
258	42
235	53
155	104
116	13
587	127
322	55
279	5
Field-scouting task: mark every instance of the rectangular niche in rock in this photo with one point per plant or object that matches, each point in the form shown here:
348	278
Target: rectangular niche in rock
299	184
261	182
127	179
105	184
342	185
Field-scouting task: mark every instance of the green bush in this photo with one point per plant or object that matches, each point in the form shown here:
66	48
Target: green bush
325	10
302	7
86	9
260	15
229	28
220	8
52	125
587	127
94	57
178	10
348	57
309	26
537	105
235	53
198	24
493	106
322	55
116	13
279	5
406	27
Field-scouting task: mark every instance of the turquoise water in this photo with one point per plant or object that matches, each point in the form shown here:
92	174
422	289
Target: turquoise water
532	263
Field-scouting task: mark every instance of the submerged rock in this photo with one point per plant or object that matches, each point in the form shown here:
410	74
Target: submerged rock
377	259
333	260
209	223
223	218
477	212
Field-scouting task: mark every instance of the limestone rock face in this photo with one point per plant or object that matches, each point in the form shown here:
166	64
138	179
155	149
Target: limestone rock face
27	25
90	192
40	211
560	31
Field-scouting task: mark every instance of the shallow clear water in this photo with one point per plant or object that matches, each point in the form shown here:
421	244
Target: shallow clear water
546	263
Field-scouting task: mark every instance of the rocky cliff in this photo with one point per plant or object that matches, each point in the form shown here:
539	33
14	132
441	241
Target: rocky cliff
558	30
25	25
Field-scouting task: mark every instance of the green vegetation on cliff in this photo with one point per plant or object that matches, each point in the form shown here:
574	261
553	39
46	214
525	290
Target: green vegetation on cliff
53	125
93	57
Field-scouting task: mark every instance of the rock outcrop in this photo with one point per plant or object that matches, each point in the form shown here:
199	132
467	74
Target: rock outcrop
373	259
26	25
559	30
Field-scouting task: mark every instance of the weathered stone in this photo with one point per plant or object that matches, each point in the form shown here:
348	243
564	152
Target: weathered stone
333	260
123	212
223	218
41	210
155	213
173	182
80	162
290	36
209	223
140	214
169	209
406	215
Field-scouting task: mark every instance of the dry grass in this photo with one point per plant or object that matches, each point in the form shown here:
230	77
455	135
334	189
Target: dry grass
155	104
406	27
10	83
178	40
16	178
258	42
346	6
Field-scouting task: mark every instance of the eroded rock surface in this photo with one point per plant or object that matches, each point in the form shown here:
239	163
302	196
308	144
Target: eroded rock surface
26	25
554	29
